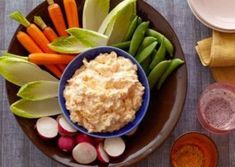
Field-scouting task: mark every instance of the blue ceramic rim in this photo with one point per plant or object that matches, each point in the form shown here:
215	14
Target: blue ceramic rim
142	77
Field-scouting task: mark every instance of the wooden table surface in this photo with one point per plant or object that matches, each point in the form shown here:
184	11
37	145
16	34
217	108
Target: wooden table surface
17	151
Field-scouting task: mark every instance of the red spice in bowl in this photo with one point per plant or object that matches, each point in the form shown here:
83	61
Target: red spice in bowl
194	150
216	108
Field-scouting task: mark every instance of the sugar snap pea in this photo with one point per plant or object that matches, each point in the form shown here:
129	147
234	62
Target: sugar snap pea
145	65
122	45
175	63
167	42
138	37
157	72
139	21
131	29
146	52
159	56
146	42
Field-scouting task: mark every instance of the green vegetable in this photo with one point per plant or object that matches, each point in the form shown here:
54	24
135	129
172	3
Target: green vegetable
175	63
94	12
14	56
79	41
88	37
68	45
119	26
145	65
139	21
138	37
113	14
167	43
159	56
146	42
122	45
157	72
146	52
131	29
19	71
39	90
36	109
19	17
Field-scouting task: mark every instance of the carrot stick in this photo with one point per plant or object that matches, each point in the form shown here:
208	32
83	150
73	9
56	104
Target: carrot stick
47	31
71	12
47	58
35	33
57	17
27	42
38	38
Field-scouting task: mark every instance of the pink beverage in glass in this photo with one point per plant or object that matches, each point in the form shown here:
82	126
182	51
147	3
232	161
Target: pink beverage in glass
216	108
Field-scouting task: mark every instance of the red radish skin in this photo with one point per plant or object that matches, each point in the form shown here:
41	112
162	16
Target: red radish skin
47	128
84	153
66	143
101	154
80	138
65	129
97	141
114	147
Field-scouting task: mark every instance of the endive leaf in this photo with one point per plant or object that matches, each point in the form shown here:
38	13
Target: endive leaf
79	41
38	90
113	14
19	71
94	12
118	28
36	109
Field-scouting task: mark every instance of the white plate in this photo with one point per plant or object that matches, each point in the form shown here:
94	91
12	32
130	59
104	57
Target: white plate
216	14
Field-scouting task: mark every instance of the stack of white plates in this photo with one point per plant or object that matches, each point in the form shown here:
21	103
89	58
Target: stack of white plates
216	14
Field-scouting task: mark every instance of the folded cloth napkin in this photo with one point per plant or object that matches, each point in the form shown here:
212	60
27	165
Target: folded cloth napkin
218	53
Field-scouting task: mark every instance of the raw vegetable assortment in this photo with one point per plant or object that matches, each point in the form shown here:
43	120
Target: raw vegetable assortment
45	45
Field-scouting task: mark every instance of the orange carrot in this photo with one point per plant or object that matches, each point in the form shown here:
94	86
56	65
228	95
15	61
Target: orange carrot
48	58
27	42
57	17
54	69
47	31
38	37
71	12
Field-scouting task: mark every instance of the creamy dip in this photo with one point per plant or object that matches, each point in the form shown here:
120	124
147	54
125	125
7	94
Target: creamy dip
104	94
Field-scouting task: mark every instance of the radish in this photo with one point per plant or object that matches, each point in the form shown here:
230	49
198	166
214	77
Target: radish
84	153
97	141
79	138
65	129
114	146
66	143
47	127
132	132
102	156
58	117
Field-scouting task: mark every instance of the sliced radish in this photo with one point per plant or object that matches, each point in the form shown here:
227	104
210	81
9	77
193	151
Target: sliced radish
47	127
132	132
58	117
114	146
84	153
66	143
101	154
79	138
65	129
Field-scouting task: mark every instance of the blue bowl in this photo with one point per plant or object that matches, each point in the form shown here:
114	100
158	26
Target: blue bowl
89	55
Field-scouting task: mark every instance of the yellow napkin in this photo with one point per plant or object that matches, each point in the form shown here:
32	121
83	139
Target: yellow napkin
218	53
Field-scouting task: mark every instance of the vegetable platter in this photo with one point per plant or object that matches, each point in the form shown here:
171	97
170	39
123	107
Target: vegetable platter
167	99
